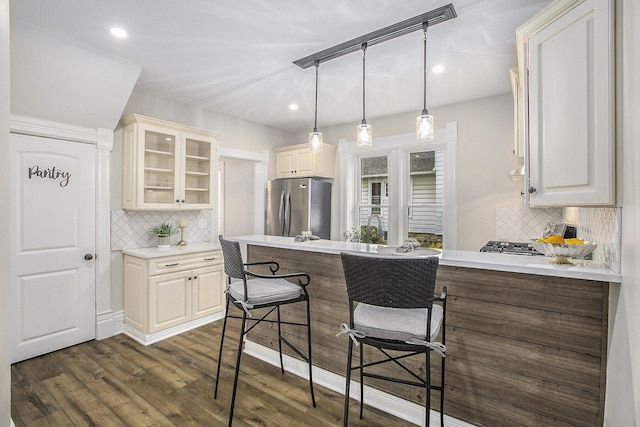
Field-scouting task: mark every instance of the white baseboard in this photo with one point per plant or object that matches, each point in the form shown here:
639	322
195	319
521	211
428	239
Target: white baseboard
386	402
146	339
104	325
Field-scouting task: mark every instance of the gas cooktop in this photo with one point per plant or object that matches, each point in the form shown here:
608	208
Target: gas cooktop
511	248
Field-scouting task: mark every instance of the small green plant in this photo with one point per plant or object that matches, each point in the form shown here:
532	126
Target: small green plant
352	235
359	235
166	229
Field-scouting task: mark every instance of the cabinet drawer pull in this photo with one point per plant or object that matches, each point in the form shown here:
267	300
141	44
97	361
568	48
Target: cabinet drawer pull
210	259
172	265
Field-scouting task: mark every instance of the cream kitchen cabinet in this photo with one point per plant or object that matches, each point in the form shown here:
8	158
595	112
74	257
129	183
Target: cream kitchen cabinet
166	166
297	161
166	295
566	61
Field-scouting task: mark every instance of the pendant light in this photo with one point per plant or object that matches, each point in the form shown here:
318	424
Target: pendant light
424	122
364	129
315	137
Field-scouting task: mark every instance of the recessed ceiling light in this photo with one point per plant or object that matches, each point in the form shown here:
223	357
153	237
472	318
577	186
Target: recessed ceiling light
293	107
118	32
438	69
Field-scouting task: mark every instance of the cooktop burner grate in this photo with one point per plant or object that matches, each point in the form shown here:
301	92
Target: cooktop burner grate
512	248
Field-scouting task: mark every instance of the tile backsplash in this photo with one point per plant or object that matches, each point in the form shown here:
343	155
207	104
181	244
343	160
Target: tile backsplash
130	229
598	225
521	224
601	226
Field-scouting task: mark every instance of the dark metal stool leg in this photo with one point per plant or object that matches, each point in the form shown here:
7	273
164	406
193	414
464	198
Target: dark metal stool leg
280	341
235	379
361	378
347	385
442	393
224	327
427	411
313	397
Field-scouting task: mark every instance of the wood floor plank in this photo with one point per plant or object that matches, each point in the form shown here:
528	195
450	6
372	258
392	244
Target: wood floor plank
36	401
120	382
79	403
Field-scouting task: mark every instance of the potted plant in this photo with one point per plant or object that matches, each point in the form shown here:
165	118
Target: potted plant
164	232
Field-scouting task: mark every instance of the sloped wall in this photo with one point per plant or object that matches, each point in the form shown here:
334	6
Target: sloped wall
55	79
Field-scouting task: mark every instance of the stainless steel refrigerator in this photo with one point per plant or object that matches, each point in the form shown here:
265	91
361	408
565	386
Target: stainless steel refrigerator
298	204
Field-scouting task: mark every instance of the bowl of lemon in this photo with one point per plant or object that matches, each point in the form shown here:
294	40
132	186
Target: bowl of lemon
561	250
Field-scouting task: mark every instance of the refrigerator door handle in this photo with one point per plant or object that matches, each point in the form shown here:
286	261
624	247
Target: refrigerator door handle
287	216
281	214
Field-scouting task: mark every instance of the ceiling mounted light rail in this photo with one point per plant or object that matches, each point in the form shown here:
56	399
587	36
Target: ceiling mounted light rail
424	123
407	26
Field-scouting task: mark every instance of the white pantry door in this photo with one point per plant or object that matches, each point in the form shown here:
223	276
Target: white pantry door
52	244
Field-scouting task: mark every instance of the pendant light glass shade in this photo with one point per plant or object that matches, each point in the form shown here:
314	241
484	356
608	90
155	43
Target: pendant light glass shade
424	122
315	141
424	126
363	135
316	144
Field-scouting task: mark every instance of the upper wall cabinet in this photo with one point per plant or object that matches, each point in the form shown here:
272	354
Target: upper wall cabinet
296	161
566	61
166	166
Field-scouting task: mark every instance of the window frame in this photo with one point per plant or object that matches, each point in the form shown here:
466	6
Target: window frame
398	148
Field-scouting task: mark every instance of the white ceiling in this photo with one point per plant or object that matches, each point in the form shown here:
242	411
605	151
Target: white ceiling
235	57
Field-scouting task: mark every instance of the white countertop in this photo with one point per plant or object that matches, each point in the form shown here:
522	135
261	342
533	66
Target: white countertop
154	252
588	270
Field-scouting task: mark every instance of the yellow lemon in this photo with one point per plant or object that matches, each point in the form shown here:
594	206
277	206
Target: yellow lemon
554	239
574	241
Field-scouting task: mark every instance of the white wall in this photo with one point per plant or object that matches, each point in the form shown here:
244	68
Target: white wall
622	406
56	79
485	144
239	206
5	320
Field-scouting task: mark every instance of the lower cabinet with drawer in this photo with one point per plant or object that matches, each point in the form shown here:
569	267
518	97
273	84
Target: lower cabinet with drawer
167	295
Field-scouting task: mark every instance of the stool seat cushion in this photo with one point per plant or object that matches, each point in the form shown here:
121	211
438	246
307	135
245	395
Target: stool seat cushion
401	324
265	291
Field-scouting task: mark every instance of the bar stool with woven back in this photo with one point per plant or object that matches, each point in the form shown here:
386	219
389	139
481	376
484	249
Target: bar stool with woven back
255	291
391	307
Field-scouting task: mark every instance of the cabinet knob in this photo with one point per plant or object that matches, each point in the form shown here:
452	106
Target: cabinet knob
195	277
177	200
189	278
182	201
88	257
532	190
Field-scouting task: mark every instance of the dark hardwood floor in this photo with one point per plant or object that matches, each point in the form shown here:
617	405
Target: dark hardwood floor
118	382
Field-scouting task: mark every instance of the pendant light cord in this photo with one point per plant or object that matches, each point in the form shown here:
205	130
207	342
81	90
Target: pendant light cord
364	57
315	122
424	108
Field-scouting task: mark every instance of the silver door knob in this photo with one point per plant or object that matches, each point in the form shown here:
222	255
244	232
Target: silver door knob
88	257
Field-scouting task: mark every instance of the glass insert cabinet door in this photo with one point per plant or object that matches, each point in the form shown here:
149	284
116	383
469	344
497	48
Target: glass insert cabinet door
160	163
166	166
197	169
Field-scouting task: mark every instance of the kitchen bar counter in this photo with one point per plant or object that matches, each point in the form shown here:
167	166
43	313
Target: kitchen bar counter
539	265
526	340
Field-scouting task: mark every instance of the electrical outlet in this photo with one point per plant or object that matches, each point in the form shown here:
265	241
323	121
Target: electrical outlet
202	223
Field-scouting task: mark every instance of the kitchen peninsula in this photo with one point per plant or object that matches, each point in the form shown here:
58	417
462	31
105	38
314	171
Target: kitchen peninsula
526	340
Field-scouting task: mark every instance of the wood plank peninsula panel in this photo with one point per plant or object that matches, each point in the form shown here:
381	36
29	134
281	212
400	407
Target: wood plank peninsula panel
522	349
